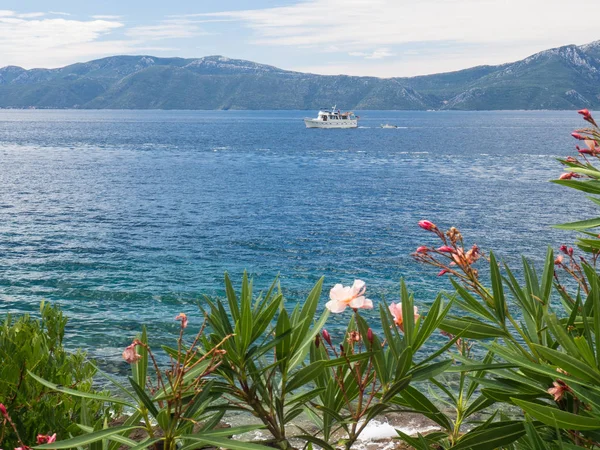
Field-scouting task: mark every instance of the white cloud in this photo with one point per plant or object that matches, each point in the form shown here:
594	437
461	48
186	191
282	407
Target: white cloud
33	42
59	13
106	17
167	29
475	28
379	53
36	40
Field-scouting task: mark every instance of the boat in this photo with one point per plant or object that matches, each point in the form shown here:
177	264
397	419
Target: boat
387	125
332	118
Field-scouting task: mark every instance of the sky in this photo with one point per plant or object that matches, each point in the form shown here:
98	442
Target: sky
383	38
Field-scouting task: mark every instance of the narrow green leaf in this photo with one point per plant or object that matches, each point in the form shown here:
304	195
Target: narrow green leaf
305	375
76	393
88	438
552	416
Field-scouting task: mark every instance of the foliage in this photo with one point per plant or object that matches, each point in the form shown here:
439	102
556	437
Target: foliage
543	356
171	406
36	345
366	376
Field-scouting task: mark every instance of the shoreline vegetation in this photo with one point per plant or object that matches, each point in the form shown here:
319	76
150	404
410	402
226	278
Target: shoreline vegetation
537	385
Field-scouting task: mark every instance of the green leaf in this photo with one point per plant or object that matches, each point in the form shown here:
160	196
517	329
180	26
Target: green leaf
422	404
552	416
499	300
569	364
395	388
221	442
76	393
140	367
580	225
430	371
232	299
591	187
88	438
150	406
470	328
305	375
493	436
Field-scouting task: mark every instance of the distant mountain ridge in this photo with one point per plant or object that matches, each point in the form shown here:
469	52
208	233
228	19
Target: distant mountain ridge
561	78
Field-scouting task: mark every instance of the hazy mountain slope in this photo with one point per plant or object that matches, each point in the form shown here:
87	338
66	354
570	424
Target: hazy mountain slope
563	78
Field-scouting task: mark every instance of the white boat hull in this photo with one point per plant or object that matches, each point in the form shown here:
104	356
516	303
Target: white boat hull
341	123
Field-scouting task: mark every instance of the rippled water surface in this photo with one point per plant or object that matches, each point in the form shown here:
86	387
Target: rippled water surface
128	217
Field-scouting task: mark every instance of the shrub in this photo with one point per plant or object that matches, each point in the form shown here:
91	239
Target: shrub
36	345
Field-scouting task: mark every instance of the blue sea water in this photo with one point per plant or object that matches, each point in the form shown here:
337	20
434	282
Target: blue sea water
128	217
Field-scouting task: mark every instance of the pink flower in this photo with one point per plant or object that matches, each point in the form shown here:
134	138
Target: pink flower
446	249
570	251
427	225
183	319
578	136
130	355
563	248
559	390
352	296
567	176
3	410
422	249
442	272
396	311
584	112
46	439
558	260
327	337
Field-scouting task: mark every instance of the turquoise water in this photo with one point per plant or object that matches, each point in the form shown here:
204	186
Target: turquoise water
128	217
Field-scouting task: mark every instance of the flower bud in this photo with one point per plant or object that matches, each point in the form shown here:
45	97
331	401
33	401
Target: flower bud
446	249
442	272
578	136
427	225
567	176
563	248
422	249
370	335
327	337
584	112
559	259
317	341
570	251
3	410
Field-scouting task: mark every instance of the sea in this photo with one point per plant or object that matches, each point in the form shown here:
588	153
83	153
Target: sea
127	218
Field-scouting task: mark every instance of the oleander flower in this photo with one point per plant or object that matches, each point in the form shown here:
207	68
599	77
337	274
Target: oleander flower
352	296
396	311
427	225
46	439
327	337
559	390
567	176
130	355
183	318
559	259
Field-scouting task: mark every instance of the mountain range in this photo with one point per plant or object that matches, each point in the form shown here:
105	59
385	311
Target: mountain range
561	78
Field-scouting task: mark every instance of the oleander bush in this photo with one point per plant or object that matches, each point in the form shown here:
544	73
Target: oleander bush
36	345
520	368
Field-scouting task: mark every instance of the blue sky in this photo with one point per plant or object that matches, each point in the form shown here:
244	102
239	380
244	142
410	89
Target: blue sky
358	37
